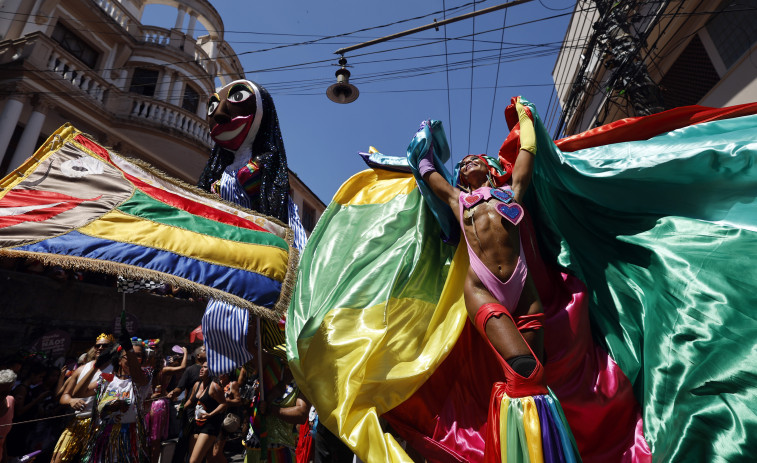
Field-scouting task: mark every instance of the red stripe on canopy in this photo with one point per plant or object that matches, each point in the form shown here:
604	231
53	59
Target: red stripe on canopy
46	204
172	199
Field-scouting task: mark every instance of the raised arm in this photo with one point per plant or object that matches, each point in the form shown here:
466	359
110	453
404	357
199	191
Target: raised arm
179	368
296	414
138	375
442	189
524	165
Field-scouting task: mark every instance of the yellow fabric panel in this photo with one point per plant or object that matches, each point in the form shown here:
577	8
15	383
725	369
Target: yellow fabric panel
503	411
374	187
533	430
368	382
52	143
269	261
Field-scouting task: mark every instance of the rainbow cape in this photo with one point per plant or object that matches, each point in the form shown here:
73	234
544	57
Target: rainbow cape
651	357
77	204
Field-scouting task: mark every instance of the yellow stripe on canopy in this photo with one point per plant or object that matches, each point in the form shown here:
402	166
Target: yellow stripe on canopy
269	261
367	384
374	186
60	136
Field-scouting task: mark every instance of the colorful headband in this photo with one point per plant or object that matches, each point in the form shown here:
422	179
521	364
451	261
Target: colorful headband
106	337
497	173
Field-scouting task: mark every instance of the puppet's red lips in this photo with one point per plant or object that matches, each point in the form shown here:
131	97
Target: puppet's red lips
19	206
231	134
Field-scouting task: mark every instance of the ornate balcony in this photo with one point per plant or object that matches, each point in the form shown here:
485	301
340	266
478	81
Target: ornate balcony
117	13
155	35
156	112
71	71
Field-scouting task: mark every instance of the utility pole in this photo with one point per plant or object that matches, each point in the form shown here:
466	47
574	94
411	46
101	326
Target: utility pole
614	38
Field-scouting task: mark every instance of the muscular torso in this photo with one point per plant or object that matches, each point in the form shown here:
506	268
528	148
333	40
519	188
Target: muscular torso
492	238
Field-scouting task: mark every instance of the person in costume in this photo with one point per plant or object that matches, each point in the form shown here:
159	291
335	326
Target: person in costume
500	296
207	399
72	439
117	433
275	413
248	167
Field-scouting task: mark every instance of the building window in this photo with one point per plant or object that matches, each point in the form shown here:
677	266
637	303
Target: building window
144	81
734	32
690	78
191	99
74	45
308	217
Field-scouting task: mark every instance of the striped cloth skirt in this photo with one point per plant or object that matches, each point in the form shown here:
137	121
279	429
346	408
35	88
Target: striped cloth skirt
530	429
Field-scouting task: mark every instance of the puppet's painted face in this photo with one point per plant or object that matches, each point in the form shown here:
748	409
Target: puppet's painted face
234	114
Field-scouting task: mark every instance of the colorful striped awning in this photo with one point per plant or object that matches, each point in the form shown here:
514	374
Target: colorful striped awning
77	204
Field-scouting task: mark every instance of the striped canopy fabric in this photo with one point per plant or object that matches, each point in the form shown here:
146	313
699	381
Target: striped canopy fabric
78	204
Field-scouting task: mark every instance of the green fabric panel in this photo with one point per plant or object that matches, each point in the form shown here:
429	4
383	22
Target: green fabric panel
516	435
390	250
662	233
142	205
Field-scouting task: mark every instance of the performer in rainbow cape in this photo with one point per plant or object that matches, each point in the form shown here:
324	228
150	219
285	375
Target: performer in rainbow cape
502	300
637	238
248	167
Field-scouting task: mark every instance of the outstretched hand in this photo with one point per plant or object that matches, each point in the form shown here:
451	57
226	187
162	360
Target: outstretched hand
104	358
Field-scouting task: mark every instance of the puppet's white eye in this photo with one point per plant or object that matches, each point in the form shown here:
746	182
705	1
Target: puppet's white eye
81	167
239	93
212	105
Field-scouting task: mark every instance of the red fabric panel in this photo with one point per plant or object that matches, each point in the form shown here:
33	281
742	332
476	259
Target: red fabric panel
493	450
642	128
173	199
305	449
57	204
94	147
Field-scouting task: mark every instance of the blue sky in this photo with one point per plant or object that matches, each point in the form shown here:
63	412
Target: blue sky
401	82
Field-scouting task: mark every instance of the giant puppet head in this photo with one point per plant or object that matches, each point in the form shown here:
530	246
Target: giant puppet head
244	126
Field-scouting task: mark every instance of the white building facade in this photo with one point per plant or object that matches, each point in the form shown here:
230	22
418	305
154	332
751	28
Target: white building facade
139	89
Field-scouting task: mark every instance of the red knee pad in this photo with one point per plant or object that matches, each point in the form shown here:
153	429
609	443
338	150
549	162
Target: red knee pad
516	385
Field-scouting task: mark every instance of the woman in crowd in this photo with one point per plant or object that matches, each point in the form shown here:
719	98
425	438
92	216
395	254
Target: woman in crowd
120	435
208	397
233	417
158	414
28	396
72	440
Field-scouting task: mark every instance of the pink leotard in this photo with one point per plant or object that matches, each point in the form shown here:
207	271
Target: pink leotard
507	293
